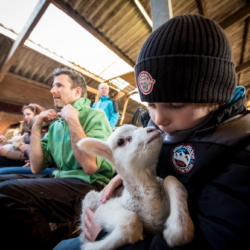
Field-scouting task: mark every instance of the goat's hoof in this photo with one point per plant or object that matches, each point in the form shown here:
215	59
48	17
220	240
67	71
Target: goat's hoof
177	233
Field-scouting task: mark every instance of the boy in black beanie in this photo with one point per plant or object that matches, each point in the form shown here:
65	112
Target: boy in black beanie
186	74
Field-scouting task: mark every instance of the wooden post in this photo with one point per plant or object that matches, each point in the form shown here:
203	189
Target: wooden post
27	29
97	97
125	107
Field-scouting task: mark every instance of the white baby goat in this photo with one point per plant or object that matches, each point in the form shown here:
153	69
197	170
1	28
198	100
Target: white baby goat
148	205
15	142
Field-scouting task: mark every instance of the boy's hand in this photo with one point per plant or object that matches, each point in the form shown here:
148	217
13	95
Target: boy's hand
3	151
69	112
91	229
2	138
45	118
109	189
23	146
27	164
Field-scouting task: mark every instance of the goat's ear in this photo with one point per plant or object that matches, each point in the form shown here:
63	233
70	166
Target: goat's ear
95	147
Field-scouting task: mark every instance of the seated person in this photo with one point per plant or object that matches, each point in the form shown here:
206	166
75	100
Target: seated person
25	169
30	202
10	157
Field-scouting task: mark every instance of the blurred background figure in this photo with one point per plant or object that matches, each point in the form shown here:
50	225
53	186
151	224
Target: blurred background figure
9	157
108	105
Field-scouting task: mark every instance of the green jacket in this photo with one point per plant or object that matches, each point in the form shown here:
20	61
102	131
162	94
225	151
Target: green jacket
57	148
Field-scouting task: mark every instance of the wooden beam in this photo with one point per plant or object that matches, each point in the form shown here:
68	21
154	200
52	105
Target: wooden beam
25	79
27	29
125	107
97	97
246	38
10	108
237	16
92	90
95	32
202	7
118	95
243	67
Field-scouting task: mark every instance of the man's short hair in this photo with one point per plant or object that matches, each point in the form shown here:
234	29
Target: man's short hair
77	79
103	83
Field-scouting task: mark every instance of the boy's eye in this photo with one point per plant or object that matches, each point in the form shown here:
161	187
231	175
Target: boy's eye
151	105
177	106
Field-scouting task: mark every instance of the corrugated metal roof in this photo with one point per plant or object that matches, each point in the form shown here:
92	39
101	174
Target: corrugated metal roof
120	25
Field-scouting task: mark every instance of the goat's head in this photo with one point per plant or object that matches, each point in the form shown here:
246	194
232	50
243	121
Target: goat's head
17	140
127	147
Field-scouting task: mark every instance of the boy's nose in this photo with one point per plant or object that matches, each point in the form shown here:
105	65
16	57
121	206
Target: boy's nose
160	119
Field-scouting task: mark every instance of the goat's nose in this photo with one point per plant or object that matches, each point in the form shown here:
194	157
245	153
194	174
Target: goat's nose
151	129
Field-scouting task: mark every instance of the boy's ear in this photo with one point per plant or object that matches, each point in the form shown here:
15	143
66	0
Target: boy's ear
95	147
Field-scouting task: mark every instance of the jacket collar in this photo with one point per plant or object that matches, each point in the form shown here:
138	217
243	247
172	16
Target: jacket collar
104	98
78	104
225	113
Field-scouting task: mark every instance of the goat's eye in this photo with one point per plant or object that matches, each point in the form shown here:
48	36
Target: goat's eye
120	142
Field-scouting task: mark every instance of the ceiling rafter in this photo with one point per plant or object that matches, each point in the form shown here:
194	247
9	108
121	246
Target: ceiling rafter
246	38
202	7
34	18
237	16
244	66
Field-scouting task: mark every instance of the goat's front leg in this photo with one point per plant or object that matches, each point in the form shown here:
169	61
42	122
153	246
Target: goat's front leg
91	201
179	228
123	227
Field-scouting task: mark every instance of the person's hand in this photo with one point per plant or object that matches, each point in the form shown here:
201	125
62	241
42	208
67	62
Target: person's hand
109	189
2	138
3	151
91	229
27	164
45	118
69	112
23	146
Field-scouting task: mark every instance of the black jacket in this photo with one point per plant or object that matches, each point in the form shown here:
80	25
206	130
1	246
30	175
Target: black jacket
214	166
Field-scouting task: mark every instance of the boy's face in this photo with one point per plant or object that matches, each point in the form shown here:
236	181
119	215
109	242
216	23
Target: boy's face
171	117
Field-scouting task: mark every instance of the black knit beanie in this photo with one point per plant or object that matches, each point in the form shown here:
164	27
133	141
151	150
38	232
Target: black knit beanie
187	60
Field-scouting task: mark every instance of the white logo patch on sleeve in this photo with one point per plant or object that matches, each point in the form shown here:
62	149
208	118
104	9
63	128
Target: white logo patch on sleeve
183	158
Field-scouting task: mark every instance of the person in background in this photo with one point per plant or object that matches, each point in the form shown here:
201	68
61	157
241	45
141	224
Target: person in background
109	106
9	158
28	203
25	169
185	73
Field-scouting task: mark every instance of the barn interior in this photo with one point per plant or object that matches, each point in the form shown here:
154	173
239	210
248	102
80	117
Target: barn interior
122	26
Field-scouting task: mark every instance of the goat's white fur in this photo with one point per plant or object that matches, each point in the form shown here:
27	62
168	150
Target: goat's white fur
148	205
15	142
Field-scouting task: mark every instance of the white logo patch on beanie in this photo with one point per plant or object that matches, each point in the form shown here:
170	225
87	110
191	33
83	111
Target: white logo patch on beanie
145	82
